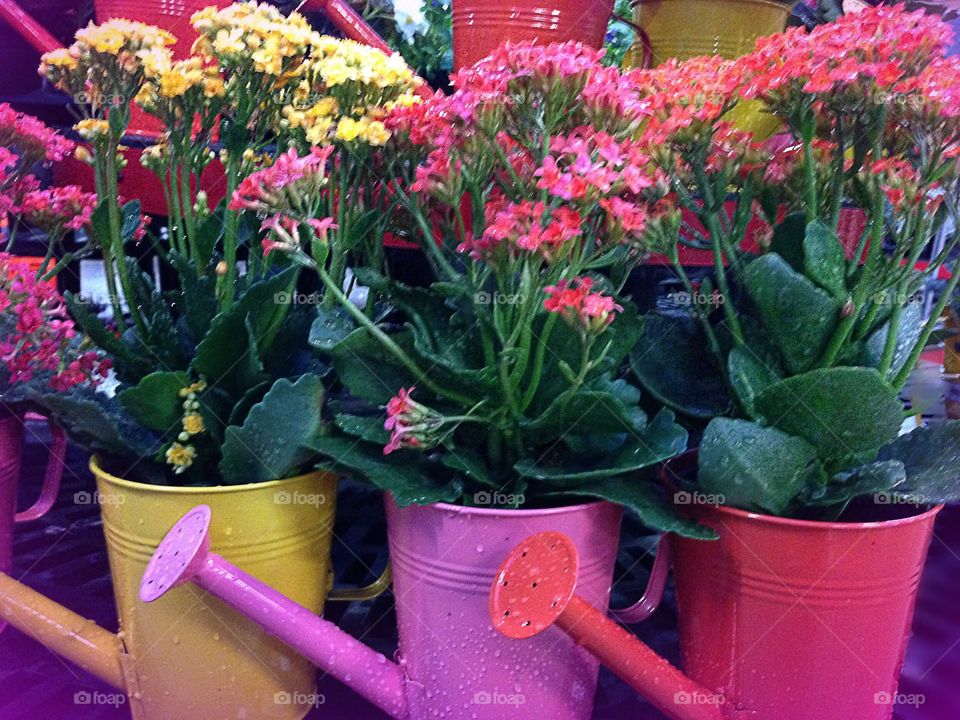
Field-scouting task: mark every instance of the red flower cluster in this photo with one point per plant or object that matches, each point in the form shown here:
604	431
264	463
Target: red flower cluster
411	424
689	95
853	60
590	311
525	226
43	335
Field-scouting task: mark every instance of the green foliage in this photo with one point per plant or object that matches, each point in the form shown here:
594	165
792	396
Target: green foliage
247	371
805	418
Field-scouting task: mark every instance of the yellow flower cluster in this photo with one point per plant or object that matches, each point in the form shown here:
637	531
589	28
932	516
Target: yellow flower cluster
177	90
104	66
254	35
337	62
180	455
347	90
92	130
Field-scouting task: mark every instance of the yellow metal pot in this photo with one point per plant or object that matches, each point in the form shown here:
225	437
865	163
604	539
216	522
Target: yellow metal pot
193	658
683	29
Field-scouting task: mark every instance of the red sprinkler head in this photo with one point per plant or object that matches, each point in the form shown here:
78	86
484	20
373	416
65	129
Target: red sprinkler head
179	556
534	585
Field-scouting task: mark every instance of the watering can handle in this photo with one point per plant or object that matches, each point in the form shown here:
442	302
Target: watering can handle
52	478
645	606
375	589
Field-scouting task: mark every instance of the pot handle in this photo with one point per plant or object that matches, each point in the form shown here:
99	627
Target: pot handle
645	606
375	589
52	478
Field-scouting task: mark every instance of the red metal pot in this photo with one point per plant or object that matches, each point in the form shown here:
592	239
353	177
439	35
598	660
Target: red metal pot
799	620
480	26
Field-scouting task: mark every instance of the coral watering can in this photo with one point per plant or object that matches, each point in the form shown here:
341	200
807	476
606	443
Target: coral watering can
534	592
184	556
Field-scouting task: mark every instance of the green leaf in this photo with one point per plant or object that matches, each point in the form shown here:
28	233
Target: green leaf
931	459
841	411
402	473
365	368
100	424
673	362
129	365
754	467
221	352
274	440
604	407
908	332
824	261
366	428
155	401
197	301
749	376
647	502
661	440
876	477
798	316
787	240
331	326
470	464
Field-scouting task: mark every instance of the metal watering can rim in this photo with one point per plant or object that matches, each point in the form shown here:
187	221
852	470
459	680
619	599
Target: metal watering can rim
687	461
96	468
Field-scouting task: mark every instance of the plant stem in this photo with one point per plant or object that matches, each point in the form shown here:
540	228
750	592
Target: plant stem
387	342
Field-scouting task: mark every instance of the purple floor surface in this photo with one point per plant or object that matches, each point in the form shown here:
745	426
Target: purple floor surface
63	556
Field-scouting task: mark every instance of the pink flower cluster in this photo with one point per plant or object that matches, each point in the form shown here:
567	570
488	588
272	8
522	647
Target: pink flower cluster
411	424
525	226
286	192
548	65
265	189
56	209
31	139
579	306
590	164
687	95
42	337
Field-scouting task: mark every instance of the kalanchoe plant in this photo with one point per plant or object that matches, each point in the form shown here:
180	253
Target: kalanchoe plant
40	350
217	384
25	143
502	380
798	366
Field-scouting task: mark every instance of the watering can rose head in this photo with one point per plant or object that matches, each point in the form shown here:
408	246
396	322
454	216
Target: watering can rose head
809	318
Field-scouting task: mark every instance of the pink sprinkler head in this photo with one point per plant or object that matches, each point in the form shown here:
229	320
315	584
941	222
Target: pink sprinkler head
180	555
534	585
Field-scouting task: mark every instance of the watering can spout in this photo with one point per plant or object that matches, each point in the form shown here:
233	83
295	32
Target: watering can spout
184	556
76	638
534	590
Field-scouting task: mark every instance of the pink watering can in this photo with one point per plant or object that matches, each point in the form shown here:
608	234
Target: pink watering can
184	556
11	454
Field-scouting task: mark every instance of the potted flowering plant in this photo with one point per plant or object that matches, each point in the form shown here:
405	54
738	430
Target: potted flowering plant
218	392
506	409
39	349
808	345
